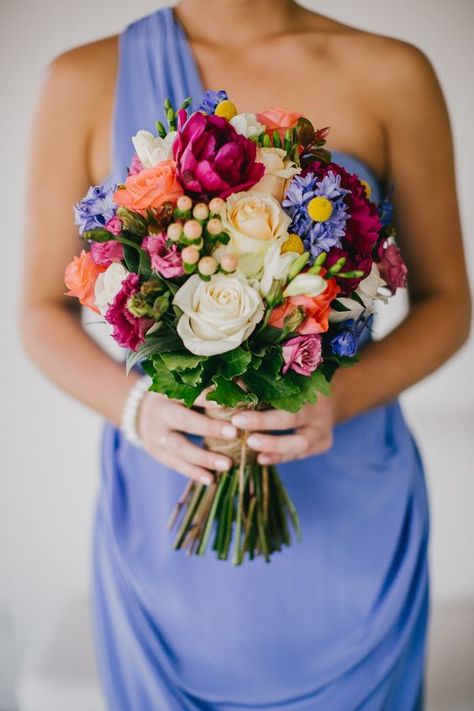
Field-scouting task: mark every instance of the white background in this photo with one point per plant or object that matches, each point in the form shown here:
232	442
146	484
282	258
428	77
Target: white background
49	467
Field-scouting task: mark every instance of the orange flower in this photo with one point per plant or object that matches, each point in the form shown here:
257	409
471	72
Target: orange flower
317	309
150	188
278	119
80	278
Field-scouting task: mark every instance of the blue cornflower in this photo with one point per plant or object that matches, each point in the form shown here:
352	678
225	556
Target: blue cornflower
211	99
317	236
96	209
346	341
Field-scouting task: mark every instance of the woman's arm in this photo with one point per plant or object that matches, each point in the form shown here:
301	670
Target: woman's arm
412	109
59	173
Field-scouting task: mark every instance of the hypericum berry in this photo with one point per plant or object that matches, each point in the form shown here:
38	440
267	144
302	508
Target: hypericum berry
192	229
184	203
190	255
216	205
207	265
174	231
214	226
201	211
229	262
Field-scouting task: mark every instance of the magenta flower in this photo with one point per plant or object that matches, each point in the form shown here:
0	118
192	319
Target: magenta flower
164	260
128	330
136	166
213	159
392	268
104	253
302	354
354	260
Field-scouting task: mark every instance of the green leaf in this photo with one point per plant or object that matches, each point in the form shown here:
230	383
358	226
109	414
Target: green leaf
181	361
165	382
235	362
307	388
337	306
192	376
228	393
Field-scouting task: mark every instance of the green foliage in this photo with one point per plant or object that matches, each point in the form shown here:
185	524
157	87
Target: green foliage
235	362
228	393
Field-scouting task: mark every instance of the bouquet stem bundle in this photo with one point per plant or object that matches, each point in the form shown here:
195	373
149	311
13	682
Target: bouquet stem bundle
248	503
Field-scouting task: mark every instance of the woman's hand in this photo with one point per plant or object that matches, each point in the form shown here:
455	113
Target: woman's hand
160	425
313	426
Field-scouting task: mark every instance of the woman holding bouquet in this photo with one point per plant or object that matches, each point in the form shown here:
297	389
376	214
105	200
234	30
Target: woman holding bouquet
339	620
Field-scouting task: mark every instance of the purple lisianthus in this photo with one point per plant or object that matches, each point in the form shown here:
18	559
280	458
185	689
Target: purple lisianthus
96	209
114	225
302	354
104	253
346	341
164	260
317	236
136	166
212	159
211	99
128	330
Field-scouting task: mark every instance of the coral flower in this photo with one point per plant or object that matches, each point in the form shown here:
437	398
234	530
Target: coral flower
80	277
316	308
150	188
278	120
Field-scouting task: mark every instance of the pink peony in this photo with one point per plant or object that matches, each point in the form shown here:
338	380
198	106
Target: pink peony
114	225
213	159
302	354
104	253
164	260
392	268
128	330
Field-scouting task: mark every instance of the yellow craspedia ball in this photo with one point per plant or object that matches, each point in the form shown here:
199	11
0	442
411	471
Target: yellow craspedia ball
368	189
320	209
226	109
294	243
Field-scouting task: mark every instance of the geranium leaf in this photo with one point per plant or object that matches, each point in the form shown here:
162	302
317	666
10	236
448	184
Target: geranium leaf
235	362
228	393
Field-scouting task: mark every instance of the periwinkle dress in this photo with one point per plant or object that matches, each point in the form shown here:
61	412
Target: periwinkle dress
334	623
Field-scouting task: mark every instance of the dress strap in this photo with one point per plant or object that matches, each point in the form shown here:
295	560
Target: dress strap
154	63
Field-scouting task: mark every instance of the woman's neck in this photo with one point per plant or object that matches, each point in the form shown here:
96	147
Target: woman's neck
236	22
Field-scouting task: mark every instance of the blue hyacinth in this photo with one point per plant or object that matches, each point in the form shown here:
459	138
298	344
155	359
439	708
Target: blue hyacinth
96	209
317	236
211	99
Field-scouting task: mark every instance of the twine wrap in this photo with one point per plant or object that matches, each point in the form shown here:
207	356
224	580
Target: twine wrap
236	448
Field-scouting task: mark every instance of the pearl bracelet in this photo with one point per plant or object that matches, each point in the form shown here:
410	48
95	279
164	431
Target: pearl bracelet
130	410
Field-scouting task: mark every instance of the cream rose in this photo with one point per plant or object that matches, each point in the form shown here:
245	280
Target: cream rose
108	285
276	266
278	170
151	149
218	315
369	290
247	125
254	221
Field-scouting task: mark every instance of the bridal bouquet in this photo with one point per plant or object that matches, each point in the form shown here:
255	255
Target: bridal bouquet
238	259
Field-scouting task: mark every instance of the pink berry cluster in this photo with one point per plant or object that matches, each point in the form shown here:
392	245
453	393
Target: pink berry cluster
197	229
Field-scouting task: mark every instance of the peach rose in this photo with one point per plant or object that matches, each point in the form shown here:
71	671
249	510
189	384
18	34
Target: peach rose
150	187
80	277
317	310
278	119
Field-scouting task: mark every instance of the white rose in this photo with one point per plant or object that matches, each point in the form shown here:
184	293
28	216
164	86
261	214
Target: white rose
278	170
218	315
151	149
306	285
247	125
254	222
108	285
368	290
276	266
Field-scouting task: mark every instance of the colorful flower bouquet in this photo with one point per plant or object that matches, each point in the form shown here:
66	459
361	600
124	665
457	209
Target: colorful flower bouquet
237	259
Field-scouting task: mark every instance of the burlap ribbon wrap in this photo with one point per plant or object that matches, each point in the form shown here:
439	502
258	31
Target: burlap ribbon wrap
236	448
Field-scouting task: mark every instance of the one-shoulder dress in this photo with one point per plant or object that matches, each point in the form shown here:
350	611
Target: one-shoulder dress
336	622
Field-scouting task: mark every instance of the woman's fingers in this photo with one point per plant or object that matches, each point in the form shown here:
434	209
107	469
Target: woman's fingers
179	447
306	442
267	420
177	416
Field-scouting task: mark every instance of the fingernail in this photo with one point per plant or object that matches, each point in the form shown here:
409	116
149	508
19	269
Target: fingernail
221	464
239	420
206	479
263	459
253	441
229	431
